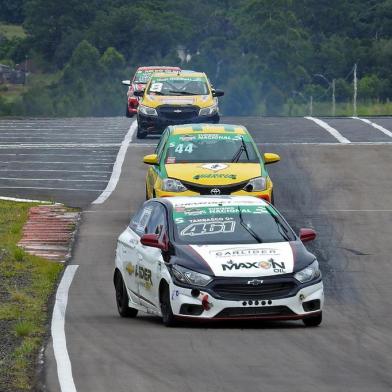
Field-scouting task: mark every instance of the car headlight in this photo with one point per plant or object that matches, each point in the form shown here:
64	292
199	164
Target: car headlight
256	184
147	110
172	185
188	276
211	110
309	273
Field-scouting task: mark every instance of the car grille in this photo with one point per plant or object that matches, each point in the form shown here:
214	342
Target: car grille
266	311
243	290
175	113
222	189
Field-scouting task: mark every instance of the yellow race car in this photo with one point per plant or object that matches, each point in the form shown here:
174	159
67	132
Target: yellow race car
208	159
176	98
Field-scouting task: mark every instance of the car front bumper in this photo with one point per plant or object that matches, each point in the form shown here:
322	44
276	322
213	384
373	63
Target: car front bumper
265	195
157	124
205	306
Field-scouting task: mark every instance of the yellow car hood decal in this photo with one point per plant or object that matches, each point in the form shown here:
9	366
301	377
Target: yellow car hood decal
213	173
202	101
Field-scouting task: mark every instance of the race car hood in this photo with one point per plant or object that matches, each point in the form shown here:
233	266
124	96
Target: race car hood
198	100
251	260
213	173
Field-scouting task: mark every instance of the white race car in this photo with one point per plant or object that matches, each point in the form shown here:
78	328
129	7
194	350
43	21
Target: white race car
216	257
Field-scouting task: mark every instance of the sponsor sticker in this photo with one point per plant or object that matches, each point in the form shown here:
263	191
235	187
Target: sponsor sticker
277	267
215	166
214	175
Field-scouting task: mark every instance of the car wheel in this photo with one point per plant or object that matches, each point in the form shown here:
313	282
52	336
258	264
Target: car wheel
127	113
122	299
141	134
272	198
313	321
168	318
154	195
147	198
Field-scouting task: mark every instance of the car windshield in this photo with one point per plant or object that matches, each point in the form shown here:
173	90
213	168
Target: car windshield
230	224
178	86
144	76
210	148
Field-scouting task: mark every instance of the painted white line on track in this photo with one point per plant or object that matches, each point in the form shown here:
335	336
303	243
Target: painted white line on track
111	186
46	179
325	144
334	132
53	170
56	162
64	368
374	125
26	200
15	154
51	188
59	145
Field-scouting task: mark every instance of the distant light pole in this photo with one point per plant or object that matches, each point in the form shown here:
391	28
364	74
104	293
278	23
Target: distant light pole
355	91
332	85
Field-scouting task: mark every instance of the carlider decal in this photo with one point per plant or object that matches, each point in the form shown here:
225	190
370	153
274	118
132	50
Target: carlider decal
248	260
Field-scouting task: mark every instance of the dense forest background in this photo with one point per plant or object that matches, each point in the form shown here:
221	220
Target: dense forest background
270	56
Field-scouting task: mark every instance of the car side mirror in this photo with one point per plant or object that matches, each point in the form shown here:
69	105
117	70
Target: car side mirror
217	93
138	93
152	240
271	158
306	235
126	82
151	159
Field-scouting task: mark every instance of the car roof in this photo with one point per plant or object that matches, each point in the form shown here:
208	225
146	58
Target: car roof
208	128
212	201
153	67
181	74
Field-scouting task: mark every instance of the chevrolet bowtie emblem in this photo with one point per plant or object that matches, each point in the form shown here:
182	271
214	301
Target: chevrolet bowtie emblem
255	282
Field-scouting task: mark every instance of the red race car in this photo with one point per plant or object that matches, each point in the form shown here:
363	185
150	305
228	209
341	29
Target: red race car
139	81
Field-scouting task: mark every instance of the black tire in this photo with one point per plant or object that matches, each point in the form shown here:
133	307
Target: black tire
154	195
147	198
272	198
313	321
122	299
141	133
127	114
168	318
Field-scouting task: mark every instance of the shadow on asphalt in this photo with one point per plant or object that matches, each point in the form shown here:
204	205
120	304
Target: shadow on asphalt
225	324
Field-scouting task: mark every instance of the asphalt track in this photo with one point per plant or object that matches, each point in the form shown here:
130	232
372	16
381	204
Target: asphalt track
343	191
64	160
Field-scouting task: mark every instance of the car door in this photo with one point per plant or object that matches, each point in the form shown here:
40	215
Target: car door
154	170
150	259
127	250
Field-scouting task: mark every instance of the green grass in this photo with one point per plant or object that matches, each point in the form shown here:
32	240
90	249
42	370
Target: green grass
26	282
12	31
342	109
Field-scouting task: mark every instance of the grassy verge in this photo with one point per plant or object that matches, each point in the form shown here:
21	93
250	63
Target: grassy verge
26	283
12	31
342	109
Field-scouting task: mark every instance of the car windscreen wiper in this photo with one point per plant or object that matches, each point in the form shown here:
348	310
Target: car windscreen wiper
181	92
282	228
248	229
238	154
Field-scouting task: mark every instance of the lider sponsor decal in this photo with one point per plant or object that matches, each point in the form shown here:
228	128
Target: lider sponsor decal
271	263
210	175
